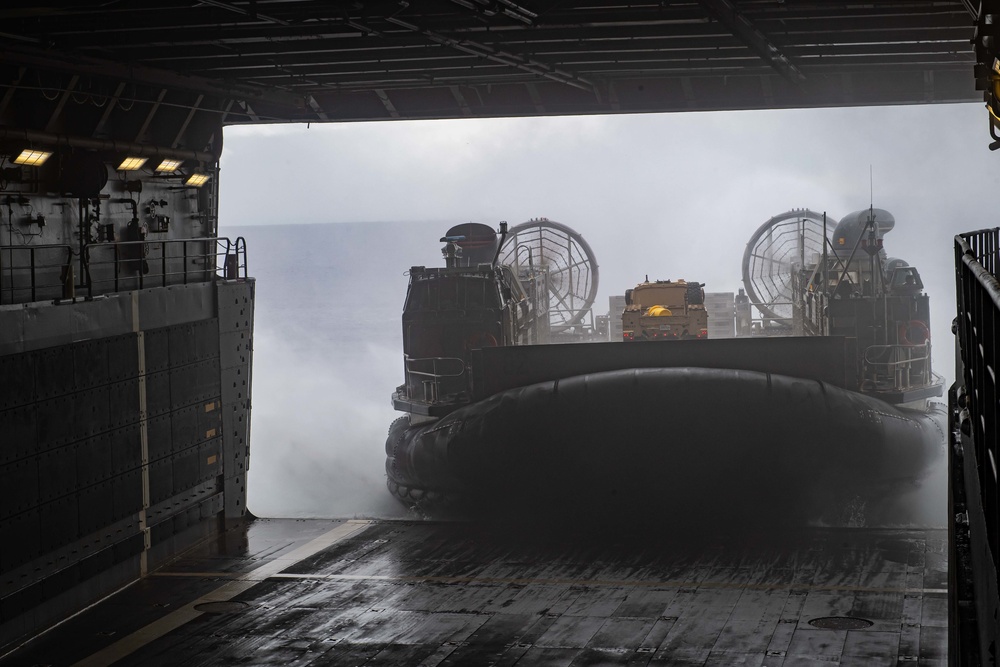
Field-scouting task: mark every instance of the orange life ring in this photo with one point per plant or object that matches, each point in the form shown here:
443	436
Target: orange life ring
913	333
481	339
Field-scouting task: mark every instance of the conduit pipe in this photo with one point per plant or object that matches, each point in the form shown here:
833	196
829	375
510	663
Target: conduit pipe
131	148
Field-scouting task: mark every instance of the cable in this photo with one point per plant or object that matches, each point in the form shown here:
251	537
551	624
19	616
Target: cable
132	104
42	89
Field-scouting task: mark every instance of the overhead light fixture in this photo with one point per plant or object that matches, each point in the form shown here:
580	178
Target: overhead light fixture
197	180
32	158
993	104
169	166
132	164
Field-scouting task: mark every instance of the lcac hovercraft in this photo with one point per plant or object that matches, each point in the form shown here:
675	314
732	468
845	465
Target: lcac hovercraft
802	425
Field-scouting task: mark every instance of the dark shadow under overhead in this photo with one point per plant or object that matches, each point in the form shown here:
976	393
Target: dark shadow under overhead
304	61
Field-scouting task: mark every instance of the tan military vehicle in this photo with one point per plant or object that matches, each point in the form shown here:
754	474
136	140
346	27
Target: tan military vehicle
665	310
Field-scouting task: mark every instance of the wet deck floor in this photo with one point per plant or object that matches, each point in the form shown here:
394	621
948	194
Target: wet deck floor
305	592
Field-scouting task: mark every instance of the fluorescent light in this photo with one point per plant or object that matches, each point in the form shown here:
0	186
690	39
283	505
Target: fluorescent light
197	180
169	166
32	158
132	163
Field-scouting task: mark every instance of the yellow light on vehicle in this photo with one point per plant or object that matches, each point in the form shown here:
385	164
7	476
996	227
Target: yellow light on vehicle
995	97
32	158
197	180
132	164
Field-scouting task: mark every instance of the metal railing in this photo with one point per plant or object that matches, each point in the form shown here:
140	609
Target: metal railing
905	366
978	325
983	245
428	369
42	272
31	272
113	266
974	453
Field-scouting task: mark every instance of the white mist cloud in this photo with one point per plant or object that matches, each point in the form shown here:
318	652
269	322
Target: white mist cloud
318	429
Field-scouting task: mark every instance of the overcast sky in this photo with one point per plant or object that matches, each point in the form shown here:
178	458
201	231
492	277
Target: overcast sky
669	195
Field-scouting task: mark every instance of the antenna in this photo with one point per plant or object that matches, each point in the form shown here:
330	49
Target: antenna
871	187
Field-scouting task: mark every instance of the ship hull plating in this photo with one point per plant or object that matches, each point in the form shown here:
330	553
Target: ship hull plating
691	445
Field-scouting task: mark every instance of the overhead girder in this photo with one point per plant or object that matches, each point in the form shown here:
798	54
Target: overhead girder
479	50
106	69
252	12
305	60
727	14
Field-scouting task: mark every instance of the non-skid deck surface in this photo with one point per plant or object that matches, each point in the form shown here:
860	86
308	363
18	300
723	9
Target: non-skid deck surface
286	592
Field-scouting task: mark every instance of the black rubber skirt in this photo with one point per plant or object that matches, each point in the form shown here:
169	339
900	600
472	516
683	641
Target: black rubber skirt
680	444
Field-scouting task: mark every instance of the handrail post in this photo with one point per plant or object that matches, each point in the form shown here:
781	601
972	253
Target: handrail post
31	261
86	272
221	247
246	261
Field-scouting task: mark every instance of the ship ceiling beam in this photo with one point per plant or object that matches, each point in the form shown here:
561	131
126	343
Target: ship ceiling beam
490	9
137	36
54	118
81	64
317	109
463	104
387	103
536	99
731	61
248	110
252	12
727	14
108	109
187	121
483	51
613	101
574	56
766	90
688	90
227	109
149	117
9	95
307	60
